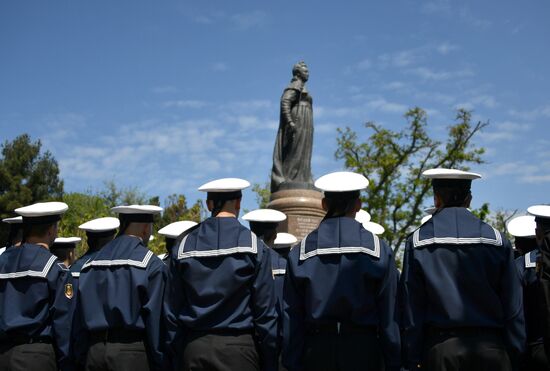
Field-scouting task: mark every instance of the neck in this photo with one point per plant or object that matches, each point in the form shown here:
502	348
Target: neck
37	241
133	235
226	214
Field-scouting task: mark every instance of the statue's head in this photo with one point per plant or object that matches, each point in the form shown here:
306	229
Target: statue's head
300	71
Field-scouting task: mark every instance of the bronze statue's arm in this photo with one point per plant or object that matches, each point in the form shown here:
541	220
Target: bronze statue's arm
290	96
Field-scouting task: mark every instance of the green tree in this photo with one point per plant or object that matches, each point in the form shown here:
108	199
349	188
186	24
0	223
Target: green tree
393	161
262	194
27	175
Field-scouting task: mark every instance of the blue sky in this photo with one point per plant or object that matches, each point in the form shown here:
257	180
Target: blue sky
167	95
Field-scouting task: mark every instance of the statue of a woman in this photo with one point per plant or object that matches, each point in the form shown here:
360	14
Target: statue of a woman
292	153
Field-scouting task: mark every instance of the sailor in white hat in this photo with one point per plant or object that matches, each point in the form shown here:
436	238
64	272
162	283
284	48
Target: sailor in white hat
461	296
220	289
281	248
36	296
172	232
99	232
15	235
121	290
523	228
64	249
264	223
340	289
542	220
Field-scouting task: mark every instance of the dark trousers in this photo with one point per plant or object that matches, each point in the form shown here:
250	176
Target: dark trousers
27	357
343	352
472	350
113	356
535	359
216	352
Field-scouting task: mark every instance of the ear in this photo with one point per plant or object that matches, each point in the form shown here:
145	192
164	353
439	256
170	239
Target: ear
468	201
357	205
438	203
210	205
324	204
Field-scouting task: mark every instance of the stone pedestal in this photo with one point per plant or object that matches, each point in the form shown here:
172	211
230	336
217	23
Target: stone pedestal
302	208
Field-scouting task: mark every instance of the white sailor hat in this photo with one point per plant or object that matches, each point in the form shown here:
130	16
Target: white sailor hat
442	173
539	211
373	227
65	242
264	216
100	225
362	216
174	230
14	220
225	188
42	212
522	226
283	240
137	213
341	182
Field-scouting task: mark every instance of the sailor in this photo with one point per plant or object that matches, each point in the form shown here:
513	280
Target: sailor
220	300
542	219
264	223
461	296
121	290
16	232
99	232
36	296
63	248
523	230
171	232
340	290
281	248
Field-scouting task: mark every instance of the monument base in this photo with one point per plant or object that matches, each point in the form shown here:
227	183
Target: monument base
302	208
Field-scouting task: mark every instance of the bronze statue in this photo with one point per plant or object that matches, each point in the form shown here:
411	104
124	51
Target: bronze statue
292	152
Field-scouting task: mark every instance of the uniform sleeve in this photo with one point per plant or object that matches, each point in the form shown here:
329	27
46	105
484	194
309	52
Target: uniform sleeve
63	304
293	322
79	335
511	293
386	303
264	311
153	313
413	299
174	299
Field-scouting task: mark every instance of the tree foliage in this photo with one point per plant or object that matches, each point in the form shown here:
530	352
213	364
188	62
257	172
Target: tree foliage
27	175
393	161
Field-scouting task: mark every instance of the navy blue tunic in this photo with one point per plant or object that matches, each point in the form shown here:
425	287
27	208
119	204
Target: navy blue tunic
220	279
37	298
77	265
122	287
532	303
459	272
340	273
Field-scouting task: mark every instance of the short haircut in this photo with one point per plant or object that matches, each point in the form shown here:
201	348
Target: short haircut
36	230
340	203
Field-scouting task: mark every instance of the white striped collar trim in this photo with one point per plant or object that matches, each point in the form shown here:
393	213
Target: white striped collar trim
457	241
29	273
75	274
340	250
278	272
217	252
528	262
119	262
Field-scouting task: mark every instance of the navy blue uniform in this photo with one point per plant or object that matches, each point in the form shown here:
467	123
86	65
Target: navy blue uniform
459	276
220	282
532	306
341	274
36	300
122	289
278	268
79	263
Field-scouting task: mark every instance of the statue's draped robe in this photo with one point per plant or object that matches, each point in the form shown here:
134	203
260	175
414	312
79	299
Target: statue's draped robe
292	152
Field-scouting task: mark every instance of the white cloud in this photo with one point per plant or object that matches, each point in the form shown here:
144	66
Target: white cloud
365	64
395	86
246	21
402	58
505	131
522	172
380	104
533	114
446	48
188	103
219	67
429	74
437	6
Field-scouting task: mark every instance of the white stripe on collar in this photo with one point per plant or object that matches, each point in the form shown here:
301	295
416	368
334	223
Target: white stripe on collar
528	262
75	274
278	272
218	252
119	262
340	250
457	241
29	273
